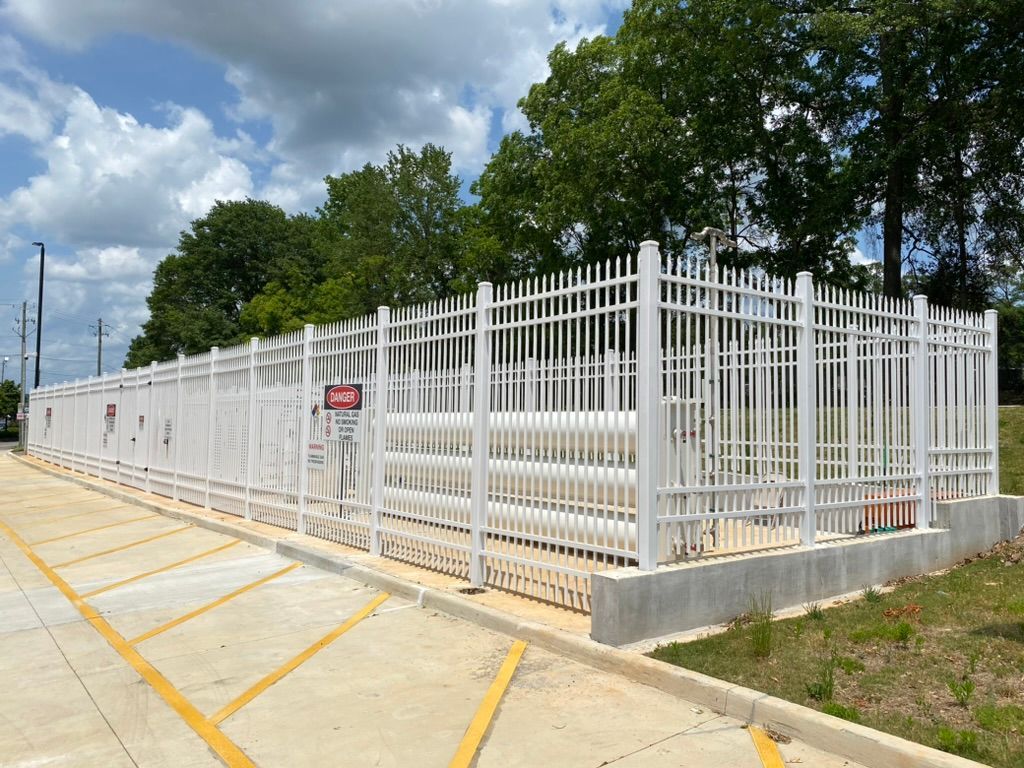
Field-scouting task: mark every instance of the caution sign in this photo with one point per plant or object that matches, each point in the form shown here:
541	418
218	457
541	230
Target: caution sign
316	456
111	417
343	405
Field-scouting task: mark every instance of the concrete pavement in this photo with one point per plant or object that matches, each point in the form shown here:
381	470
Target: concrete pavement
129	638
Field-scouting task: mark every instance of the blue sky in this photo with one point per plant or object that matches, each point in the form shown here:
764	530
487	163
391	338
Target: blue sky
122	122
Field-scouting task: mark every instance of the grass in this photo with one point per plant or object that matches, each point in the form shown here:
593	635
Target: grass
938	660
762	625
1011	451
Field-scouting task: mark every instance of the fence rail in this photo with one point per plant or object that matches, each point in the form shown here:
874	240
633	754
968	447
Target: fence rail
637	412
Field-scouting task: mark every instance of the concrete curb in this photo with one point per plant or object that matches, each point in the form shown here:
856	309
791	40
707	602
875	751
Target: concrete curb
859	743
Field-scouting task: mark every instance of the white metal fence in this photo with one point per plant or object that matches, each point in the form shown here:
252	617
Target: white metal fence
635	412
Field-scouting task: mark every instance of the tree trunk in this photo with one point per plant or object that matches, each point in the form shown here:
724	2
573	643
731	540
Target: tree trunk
891	114
961	230
892	232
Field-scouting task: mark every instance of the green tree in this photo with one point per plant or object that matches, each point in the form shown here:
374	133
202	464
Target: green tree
691	115
224	261
10	396
926	97
393	234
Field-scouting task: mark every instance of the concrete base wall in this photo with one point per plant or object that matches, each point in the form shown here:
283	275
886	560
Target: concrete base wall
629	605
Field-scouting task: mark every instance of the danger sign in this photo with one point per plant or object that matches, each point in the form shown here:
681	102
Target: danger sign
343	397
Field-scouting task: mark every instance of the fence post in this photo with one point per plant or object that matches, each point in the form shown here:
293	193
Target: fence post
119	424
807	412
151	429
211	423
465	387
612	375
648	404
104	435
250	431
852	401
305	419
992	396
380	412
74	423
176	428
481	449
921	405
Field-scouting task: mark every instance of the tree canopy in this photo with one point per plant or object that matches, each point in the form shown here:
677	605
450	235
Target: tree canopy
795	125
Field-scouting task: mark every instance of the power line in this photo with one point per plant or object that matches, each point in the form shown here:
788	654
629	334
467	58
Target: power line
66	316
68	359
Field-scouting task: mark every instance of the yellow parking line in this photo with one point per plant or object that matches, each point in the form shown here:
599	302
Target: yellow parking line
210	606
226	749
766	748
112	550
92	530
283	670
155	571
478	727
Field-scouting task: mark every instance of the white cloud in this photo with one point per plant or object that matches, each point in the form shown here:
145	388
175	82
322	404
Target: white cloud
30	103
112	180
340	82
858	258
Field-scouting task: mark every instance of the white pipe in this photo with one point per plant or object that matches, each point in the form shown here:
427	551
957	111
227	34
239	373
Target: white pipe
547	477
584	526
561	430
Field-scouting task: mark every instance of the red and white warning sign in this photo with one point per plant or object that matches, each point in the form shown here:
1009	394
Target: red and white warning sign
343	404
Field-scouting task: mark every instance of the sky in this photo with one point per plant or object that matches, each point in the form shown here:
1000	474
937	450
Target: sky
121	122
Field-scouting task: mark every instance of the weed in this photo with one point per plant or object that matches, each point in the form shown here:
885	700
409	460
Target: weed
761	625
814	611
962	690
838	710
918	645
872	595
849	665
824	687
902	632
972	662
963	743
924	706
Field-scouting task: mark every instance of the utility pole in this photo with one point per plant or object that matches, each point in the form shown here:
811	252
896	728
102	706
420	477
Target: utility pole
39	310
22	330
100	333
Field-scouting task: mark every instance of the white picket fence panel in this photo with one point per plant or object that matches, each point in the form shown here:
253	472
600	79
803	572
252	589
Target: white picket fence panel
632	413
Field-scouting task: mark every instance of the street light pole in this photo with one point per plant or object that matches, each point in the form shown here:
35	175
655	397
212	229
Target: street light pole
39	310
3	370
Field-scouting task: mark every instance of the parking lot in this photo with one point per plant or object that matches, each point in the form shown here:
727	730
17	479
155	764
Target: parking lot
129	638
